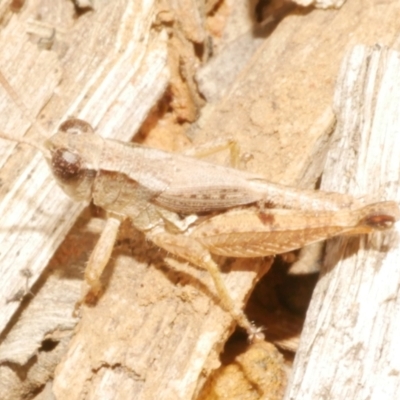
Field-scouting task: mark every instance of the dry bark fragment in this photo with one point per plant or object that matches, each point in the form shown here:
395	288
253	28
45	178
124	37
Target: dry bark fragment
349	345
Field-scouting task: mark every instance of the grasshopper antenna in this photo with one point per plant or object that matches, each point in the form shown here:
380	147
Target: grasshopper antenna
13	95
25	141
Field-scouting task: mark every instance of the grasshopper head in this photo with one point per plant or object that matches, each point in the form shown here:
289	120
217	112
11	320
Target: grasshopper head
74	155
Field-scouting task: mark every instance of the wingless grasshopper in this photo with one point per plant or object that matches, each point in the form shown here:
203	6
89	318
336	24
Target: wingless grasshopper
194	209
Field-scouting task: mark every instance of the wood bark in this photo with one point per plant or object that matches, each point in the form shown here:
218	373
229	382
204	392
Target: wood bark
144	68
348	348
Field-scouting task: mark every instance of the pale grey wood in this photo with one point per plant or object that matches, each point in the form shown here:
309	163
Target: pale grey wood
114	92
154	334
350	344
321	3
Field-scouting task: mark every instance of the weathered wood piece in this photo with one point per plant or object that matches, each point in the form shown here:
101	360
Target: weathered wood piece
158	331
321	3
97	91
107	67
349	346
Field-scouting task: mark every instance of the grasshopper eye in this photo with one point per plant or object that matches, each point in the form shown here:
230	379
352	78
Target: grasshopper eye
76	127
66	166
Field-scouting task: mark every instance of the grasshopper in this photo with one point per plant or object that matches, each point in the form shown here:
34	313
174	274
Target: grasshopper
194	209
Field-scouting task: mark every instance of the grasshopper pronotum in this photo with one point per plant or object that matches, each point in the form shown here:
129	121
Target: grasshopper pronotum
194	209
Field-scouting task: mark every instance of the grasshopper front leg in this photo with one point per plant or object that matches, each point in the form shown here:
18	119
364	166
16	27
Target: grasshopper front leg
193	251
99	259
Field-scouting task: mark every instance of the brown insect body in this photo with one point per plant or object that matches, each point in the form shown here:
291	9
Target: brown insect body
86	164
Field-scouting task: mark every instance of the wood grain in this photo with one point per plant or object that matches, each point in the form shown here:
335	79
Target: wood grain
349	345
158	331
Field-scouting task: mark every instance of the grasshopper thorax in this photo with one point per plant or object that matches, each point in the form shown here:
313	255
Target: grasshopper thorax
74	155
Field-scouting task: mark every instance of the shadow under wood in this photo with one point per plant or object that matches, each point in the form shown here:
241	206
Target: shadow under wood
279	304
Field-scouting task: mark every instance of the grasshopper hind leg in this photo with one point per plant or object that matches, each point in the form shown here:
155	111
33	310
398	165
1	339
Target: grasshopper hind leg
192	251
